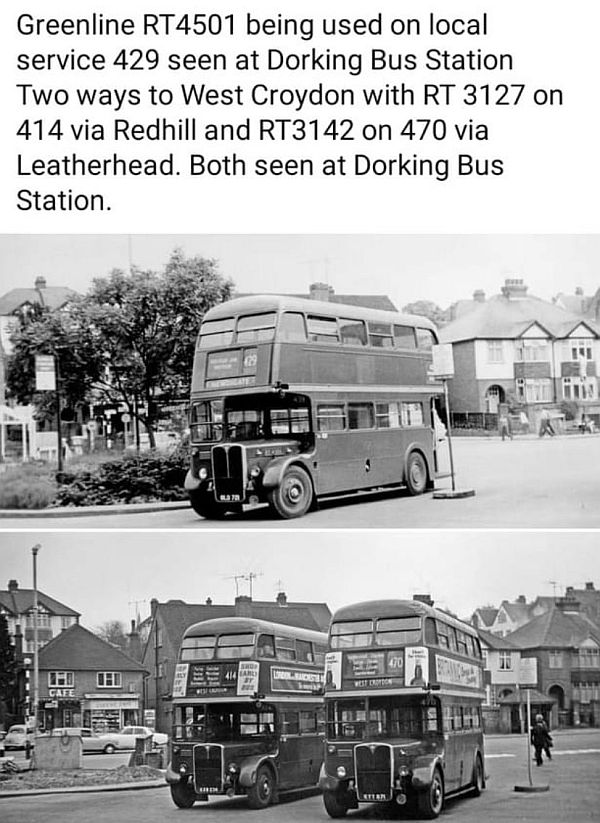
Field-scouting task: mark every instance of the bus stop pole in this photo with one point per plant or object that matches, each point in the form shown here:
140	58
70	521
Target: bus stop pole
449	432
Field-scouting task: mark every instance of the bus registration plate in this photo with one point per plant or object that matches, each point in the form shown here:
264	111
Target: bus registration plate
230	498
374	796
207	790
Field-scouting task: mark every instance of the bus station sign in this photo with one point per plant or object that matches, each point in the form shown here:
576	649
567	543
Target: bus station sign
45	372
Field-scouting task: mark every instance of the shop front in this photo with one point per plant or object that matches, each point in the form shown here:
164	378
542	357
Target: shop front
105	713
57	712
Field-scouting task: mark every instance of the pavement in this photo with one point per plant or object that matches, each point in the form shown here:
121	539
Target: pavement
82	511
108	787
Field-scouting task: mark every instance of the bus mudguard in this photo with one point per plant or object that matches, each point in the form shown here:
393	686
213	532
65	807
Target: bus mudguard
326	781
250	768
191	483
423	774
277	468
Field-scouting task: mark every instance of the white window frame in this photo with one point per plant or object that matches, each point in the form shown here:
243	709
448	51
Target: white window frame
505	661
58	679
114	677
495	351
579	388
534	389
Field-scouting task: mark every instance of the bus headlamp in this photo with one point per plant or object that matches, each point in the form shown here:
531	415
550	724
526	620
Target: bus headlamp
341	771
255	472
233	769
183	769
203	473
331	749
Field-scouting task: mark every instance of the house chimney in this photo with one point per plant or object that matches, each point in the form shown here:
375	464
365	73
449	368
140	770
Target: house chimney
589	587
18	643
569	590
13	585
320	291
513	288
209	601
153	606
423	598
579	291
243	606
134	645
479	296
522	599
40	283
281	599
568	605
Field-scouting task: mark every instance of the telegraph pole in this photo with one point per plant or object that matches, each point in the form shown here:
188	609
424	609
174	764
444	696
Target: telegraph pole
36	666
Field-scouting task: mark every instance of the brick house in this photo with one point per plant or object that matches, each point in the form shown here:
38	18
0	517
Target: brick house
566	644
517	349
85	681
16	605
162	632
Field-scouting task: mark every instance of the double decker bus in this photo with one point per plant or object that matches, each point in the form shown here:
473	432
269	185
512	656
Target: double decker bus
295	399
403	696
248	711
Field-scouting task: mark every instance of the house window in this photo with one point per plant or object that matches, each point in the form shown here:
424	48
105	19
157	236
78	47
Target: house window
108	680
505	661
65	622
532	351
589	658
581	349
579	388
495	351
555	659
532	390
56	679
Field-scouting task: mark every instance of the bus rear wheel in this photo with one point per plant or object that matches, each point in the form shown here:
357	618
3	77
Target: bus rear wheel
293	496
334	804
260	795
204	504
431	801
183	795
416	473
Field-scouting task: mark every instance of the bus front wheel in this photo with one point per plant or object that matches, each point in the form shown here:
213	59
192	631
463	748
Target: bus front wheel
334	804
478	779
261	793
294	494
183	795
204	504
416	473
431	801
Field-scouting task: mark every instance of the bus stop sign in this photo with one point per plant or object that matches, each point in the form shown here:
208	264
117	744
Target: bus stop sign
443	361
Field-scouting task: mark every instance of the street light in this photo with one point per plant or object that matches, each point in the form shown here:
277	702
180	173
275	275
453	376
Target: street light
36	670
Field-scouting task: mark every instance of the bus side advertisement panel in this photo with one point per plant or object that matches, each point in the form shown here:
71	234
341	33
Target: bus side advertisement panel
287	679
457	672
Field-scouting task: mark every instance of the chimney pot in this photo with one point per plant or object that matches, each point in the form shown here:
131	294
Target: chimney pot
589	587
13	585
40	283
479	296
281	599
423	598
209	601
320	291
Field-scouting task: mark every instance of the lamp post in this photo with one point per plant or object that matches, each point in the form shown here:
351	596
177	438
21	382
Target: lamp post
36	670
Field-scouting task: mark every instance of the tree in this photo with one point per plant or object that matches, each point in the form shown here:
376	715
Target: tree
8	673
427	308
113	631
129	340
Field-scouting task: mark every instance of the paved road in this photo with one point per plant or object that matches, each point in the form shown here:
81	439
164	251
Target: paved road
524	483
572	775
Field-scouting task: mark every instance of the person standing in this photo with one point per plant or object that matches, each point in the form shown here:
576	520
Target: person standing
505	427
541	739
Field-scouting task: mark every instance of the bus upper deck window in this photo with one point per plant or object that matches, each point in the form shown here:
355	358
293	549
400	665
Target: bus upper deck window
216	333
292	328
322	329
380	335
353	332
254	328
425	339
404	337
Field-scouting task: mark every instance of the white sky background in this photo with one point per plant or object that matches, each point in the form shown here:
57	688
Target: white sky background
101	575
442	268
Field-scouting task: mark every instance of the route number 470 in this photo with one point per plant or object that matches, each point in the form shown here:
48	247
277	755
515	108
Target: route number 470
37	130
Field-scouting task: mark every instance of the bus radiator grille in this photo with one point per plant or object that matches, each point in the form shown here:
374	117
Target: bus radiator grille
229	473
208	777
373	772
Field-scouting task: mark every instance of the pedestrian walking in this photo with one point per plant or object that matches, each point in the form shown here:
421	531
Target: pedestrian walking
541	739
546	424
505	427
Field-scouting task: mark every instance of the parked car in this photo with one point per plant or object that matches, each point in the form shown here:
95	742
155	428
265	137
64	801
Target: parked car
126	737
91	741
18	737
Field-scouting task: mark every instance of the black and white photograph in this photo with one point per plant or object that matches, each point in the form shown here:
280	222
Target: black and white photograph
425	674
306	382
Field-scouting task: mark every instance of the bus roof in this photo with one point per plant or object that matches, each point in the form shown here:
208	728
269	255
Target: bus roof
239	625
280	302
376	609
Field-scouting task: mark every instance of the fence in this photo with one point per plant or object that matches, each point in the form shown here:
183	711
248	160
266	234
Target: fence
474	420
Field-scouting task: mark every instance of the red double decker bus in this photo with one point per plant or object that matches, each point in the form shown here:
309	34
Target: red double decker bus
248	711
403	697
295	400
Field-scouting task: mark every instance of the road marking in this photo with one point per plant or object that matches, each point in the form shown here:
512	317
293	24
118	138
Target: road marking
492	756
554	754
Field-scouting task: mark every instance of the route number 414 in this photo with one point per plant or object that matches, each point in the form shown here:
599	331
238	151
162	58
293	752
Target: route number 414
37	130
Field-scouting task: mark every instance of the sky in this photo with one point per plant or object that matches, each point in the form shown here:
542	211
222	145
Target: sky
441	268
113	576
